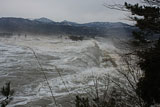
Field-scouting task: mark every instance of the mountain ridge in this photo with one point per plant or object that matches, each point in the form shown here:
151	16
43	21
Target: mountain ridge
49	27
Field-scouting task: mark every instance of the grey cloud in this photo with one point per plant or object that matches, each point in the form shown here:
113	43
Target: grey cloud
58	10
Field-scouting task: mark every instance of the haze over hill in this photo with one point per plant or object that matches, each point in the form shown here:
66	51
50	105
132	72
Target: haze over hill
48	27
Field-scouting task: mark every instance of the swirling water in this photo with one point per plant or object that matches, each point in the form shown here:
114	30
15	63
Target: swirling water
78	63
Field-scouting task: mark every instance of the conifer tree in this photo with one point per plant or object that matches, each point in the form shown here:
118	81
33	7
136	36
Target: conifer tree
7	92
148	87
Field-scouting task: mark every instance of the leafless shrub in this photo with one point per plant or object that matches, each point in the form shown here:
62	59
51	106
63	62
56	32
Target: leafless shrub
118	90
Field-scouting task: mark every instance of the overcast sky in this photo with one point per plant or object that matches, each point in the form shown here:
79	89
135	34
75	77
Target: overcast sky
58	10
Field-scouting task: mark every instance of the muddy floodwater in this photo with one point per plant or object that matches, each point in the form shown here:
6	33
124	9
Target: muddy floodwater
70	67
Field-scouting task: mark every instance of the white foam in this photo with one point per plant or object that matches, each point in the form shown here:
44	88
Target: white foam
84	58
